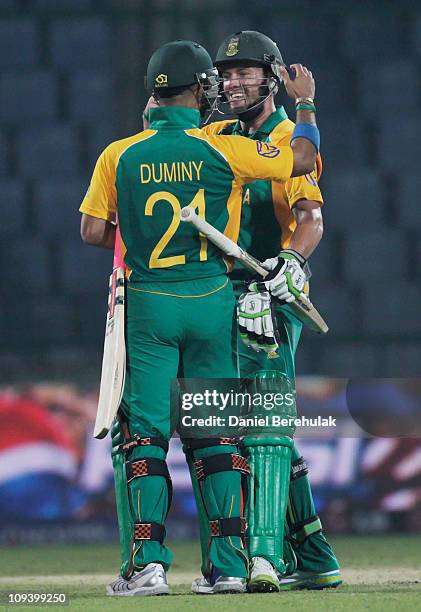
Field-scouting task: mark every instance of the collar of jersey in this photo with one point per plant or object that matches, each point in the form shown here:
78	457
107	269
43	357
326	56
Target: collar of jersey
267	126
174	117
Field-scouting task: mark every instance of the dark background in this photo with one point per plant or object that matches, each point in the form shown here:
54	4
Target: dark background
72	81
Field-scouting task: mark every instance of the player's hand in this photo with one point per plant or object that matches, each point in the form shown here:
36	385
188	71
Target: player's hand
302	86
151	103
286	279
257	322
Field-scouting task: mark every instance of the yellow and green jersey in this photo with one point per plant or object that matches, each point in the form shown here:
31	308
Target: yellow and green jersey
149	177
262	199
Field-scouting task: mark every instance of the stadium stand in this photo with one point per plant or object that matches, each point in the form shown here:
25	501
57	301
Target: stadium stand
48	151
408	206
339	305
335	87
19	44
84	271
76	44
72	81
63	5
3	156
324	260
90	97
349	194
30	272
56	214
394	80
295	43
14	197
347	359
344	142
415	36
28	96
372	256
392	310
403	155
377	35
402	359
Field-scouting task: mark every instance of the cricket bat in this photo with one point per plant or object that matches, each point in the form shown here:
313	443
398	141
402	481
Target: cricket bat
114	358
302	307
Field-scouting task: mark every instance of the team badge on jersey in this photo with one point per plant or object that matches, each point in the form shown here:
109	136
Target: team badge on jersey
310	178
232	48
266	150
161	80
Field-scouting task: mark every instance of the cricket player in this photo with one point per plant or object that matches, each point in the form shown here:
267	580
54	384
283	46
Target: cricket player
180	302
251	64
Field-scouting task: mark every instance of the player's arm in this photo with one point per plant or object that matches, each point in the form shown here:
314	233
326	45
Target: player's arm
305	141
289	271
97	232
304	156
99	204
309	230
252	160
305	200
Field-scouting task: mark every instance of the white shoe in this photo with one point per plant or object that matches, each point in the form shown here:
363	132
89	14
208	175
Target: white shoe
263	577
223	584
149	581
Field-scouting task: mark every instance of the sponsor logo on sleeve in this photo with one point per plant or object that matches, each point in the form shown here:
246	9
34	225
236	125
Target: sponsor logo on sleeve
311	178
267	150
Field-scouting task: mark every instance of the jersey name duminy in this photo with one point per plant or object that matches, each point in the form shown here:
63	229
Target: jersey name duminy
178	171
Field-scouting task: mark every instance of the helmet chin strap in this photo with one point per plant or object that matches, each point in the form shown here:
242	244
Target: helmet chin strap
256	109
253	112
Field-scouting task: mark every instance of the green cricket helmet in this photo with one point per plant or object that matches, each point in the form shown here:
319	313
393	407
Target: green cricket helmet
179	64
251	48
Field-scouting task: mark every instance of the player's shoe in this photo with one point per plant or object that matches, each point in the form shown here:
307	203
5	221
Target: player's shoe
149	581
263	577
311	580
223	584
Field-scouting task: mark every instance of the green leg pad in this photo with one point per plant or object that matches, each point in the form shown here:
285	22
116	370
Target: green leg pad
124	512
290	558
219	495
270	464
312	550
273	385
202	517
143	499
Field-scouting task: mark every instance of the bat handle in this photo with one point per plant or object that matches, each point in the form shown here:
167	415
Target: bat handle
187	214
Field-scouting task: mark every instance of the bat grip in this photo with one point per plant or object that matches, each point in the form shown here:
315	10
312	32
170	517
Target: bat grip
118	255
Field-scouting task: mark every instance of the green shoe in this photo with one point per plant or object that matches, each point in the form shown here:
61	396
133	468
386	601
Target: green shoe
311	580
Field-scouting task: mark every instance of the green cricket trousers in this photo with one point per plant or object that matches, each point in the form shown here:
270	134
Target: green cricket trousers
173	329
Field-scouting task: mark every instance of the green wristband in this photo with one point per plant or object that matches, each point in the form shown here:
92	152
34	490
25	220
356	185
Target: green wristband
291	254
303	106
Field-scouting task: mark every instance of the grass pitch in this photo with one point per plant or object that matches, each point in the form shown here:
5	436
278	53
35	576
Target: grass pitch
381	573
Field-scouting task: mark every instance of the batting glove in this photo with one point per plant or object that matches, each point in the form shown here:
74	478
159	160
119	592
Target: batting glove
257	322
287	276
